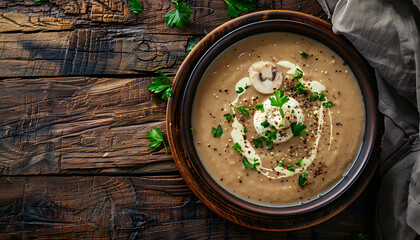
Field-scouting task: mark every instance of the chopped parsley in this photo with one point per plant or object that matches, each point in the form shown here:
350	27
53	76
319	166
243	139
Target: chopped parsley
229	117
247	86
237	147
217	131
193	129
314	96
282	164
290	168
297	129
321	97
240	90
328	104
159	85
180	16
303	178
248	165
259	142
279	101
304	54
298	73
299	162
235	5
242	109
300	88
259	107
265	124
135	6
245	129
156	138
271	135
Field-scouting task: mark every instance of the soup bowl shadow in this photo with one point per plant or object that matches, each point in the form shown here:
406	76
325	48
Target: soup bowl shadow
185	155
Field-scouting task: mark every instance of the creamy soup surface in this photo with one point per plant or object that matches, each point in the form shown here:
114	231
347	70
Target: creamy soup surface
278	119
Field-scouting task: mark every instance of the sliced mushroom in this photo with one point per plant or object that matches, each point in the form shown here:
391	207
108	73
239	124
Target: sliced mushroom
265	77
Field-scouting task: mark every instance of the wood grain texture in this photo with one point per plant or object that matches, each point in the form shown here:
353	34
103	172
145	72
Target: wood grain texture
79	125
155	207
80	37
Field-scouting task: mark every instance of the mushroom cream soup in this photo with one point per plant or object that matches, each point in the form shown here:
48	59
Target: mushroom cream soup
278	119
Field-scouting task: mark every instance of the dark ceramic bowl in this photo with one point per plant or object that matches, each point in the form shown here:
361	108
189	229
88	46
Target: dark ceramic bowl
181	140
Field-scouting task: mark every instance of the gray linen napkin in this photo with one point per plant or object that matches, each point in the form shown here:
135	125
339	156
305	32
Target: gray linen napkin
386	33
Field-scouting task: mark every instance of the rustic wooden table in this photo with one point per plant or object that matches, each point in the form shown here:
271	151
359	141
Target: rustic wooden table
74	111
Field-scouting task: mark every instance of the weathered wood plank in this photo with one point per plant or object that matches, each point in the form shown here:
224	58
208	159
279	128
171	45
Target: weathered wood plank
159	207
79	125
79	37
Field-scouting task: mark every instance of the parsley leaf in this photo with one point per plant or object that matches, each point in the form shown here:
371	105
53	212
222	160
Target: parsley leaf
298	73
299	162
161	85
279	101
259	142
40	0
180	16
217	132
265	124
247	86
240	90
300	88
297	129
269	144
248	165
282	164
259	107
245	129
156	138
303	178
237	147
314	96
304	54
242	109
271	135
243	5
328	104
135	6
228	117
321	97
290	168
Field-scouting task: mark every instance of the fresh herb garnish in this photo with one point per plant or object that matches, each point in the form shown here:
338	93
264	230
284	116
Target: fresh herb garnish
303	178
314	96
242	109
297	129
290	168
228	117
304	54
299	162
271	135
248	165
156	138
293	110
240	90
40	0
300	88
282	164
269	143
180	16
193	129
217	131
321	97
161	85
245	129
298	73
328	104
279	101
259	142
247	86
243	5
237	147
265	124
259	107
135	6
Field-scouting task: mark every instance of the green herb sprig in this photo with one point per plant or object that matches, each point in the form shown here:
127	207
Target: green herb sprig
279	100
303	178
237	147
161	85
217	131
242	109
135	6
300	88
248	165
297	129
229	117
305	54
156	138
179	17
259	107
298	73
235	5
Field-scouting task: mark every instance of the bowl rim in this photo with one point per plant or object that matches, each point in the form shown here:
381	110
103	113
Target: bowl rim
209	44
